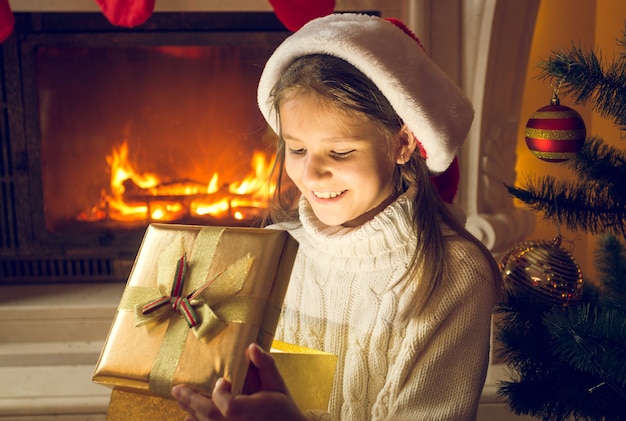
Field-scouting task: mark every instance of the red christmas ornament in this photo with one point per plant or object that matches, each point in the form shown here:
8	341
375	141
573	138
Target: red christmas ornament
555	133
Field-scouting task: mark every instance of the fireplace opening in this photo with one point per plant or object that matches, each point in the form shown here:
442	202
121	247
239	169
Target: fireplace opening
108	129
142	134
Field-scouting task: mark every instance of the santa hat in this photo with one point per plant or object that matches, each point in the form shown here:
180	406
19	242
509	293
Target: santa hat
430	104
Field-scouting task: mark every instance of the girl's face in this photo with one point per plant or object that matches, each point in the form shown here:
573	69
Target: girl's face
341	163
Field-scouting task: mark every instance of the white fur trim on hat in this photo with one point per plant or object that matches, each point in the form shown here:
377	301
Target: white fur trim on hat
430	104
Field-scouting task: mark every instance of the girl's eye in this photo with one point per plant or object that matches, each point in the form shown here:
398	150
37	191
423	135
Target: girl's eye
341	155
300	151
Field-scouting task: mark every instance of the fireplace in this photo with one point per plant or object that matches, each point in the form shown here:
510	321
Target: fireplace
107	129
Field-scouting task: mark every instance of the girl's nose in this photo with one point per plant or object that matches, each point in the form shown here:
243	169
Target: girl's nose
315	168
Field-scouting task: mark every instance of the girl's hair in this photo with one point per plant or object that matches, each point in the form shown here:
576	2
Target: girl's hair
338	83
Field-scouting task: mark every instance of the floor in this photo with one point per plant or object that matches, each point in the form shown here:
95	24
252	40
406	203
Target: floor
50	340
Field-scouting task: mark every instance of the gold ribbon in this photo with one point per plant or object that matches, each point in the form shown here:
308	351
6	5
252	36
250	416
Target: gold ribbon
214	300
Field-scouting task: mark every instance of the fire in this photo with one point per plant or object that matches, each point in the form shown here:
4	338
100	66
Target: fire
134	196
122	170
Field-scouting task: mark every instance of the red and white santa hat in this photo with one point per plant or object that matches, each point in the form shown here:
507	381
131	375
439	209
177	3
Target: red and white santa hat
430	104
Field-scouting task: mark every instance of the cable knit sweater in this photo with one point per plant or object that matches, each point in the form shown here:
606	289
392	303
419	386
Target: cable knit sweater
343	299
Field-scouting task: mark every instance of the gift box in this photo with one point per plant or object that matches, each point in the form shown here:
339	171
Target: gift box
308	375
195	299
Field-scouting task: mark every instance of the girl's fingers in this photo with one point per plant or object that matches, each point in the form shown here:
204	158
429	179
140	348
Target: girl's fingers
264	405
223	399
271	395
200	407
269	377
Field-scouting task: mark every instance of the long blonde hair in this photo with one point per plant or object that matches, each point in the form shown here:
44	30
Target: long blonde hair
339	83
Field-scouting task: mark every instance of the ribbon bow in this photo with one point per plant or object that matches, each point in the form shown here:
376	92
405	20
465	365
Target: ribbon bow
178	302
210	306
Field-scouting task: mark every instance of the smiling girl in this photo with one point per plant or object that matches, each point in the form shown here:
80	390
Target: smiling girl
341	165
386	276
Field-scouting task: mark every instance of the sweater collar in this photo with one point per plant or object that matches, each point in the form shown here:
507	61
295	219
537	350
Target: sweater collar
387	237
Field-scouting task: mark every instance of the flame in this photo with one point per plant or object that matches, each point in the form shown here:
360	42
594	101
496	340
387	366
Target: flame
135	196
122	170
256	182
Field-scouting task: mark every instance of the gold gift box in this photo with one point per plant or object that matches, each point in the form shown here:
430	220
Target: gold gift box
308	375
234	282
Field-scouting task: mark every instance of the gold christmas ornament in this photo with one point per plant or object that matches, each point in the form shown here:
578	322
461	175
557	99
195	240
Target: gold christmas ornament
545	269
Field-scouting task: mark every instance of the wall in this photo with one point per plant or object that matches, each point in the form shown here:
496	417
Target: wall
590	24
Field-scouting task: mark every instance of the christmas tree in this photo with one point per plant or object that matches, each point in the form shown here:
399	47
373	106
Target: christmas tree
567	353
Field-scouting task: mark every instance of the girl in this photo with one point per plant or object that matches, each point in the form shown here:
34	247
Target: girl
386	276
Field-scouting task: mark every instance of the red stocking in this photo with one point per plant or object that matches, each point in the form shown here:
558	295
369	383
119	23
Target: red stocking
295	13
7	20
126	13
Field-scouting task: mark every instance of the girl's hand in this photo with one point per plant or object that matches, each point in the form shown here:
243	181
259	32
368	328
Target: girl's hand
268	398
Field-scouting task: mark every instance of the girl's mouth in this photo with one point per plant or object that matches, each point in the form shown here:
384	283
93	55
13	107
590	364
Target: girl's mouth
327	194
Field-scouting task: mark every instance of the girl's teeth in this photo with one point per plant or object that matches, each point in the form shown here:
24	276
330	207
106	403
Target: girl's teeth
326	195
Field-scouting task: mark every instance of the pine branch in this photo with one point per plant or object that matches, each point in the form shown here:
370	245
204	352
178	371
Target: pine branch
591	340
622	43
521	318
610	260
580	206
549	379
603	165
595	203
584	77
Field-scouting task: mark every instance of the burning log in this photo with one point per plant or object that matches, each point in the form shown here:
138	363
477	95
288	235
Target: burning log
137	197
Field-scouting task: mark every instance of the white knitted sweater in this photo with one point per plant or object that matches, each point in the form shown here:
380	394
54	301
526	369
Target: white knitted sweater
342	299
